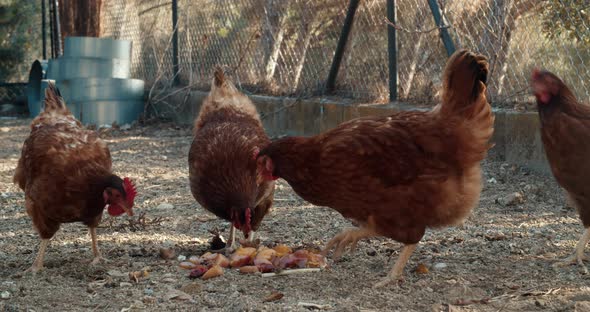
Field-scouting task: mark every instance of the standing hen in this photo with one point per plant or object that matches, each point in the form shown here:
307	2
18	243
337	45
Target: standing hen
222	164
396	175
66	174
565	132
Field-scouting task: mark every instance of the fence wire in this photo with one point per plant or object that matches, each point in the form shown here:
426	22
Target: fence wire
285	47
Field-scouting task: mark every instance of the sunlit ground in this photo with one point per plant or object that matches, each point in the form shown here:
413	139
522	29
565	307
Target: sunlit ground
499	260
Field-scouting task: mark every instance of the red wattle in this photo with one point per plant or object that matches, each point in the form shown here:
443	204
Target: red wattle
115	210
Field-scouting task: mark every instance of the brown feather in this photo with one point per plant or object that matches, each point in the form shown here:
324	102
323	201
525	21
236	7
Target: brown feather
63	169
407	171
565	129
222	168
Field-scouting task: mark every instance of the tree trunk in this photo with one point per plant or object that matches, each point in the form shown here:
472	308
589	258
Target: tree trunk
273	33
80	17
495	40
310	31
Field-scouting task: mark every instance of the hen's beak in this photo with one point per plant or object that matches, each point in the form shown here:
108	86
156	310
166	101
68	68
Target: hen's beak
128	210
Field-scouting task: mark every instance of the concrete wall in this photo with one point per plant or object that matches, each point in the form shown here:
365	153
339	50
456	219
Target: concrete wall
516	136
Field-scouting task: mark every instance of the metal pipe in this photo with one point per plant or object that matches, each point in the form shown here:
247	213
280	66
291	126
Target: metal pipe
175	67
444	34
51	46
392	50
348	21
44	28
56	28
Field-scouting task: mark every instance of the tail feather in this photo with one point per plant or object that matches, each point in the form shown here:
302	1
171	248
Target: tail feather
221	83
53	98
218	76
464	82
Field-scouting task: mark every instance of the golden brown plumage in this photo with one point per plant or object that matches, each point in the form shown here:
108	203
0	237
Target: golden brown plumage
400	174
222	165
65	172
565	131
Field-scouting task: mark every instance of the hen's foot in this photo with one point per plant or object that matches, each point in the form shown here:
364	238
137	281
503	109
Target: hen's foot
396	273
33	270
573	259
345	238
99	260
395	279
578	257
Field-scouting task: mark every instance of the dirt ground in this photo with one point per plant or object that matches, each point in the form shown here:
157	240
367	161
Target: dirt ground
499	260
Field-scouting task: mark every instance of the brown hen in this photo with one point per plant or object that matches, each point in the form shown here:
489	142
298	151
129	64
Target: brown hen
228	134
565	132
66	174
396	175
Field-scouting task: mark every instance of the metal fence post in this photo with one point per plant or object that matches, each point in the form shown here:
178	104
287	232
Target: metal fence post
52	40
331	82
44	29
444	33
175	67
392	50
57	29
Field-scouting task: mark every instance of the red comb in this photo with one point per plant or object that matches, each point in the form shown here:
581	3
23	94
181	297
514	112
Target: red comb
129	191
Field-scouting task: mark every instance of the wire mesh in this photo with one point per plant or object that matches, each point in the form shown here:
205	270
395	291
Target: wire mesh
10	93
285	47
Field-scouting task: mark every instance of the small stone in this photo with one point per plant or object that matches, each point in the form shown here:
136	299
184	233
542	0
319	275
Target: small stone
149	300
138	264
116	273
5	295
191	288
165	206
439	266
125	284
125	127
492	180
512	199
148	292
181	258
167	253
532	189
135	252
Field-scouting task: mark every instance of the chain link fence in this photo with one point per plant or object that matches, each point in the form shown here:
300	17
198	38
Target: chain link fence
285	48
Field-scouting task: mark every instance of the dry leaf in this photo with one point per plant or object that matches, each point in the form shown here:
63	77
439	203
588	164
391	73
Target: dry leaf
177	294
422	269
273	297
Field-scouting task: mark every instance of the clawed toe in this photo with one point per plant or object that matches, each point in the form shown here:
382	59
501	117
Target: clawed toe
389	280
99	260
344	239
571	260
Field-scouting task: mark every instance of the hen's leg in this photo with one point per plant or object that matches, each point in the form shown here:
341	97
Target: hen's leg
232	237
578	257
398	268
38	264
345	238
97	257
230	243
